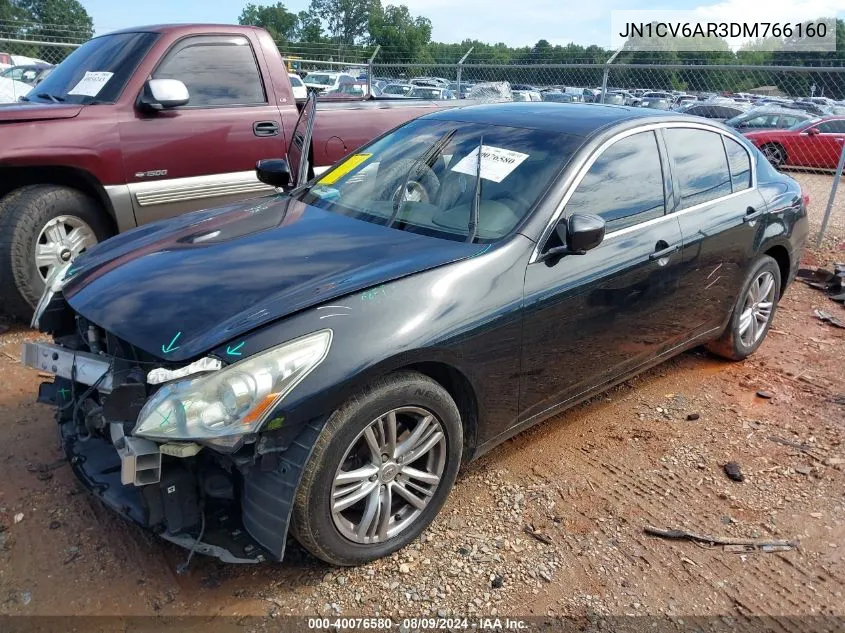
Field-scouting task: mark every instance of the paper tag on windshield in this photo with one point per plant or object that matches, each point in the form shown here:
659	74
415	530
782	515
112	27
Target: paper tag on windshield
496	163
91	84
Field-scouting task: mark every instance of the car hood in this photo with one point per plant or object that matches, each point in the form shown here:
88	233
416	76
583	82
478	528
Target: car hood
179	288
12	112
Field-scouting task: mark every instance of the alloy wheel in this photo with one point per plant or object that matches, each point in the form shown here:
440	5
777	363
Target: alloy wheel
757	308
60	241
774	155
388	475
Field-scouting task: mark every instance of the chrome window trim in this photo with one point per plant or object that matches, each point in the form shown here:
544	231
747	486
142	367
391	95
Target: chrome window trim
587	163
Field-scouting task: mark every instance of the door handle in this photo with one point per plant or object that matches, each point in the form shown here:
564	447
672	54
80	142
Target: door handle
751	214
664	252
265	128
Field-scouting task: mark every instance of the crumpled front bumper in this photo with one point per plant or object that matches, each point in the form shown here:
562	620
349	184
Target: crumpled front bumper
97	465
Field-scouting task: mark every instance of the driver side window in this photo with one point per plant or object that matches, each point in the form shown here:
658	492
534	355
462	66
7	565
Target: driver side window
625	184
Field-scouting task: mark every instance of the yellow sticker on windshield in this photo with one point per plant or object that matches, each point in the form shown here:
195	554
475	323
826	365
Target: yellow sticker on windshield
344	168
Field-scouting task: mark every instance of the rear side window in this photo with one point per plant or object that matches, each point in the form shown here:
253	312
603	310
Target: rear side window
739	163
217	70
625	184
701	167
789	121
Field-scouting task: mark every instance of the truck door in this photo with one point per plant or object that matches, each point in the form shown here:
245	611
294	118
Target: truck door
202	154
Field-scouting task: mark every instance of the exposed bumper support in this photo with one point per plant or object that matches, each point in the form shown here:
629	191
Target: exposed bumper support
97	465
83	367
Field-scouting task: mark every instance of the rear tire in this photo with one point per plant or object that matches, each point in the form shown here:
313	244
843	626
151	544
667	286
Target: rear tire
45	213
747	328
353	535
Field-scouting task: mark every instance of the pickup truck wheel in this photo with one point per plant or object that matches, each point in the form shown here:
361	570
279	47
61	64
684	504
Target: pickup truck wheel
422	183
753	312
41	228
380	470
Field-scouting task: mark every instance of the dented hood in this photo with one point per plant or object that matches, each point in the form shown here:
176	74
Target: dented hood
179	288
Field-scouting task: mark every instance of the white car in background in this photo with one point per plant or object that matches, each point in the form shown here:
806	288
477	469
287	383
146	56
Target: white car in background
320	81
7	61
526	95
12	90
299	89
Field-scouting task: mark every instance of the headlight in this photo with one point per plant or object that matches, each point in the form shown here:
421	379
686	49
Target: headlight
234	401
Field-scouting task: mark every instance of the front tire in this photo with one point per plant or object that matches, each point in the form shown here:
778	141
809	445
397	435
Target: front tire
775	154
42	227
380	470
753	312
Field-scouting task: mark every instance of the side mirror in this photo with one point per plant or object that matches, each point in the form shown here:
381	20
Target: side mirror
274	172
580	233
161	94
812	131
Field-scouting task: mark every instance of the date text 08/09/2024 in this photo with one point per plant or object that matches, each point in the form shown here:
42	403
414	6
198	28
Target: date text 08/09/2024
412	624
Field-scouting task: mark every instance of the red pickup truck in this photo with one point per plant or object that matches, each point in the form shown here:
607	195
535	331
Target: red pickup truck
101	146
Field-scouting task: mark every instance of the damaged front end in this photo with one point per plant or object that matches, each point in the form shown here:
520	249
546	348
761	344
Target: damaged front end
175	447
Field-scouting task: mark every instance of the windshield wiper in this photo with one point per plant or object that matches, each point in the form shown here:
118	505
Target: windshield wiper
472	225
428	157
47	95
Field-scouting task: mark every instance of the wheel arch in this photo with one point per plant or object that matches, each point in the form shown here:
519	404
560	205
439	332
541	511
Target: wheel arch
782	256
15	177
462	392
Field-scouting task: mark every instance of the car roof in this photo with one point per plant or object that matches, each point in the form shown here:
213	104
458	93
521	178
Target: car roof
579	119
31	66
760	110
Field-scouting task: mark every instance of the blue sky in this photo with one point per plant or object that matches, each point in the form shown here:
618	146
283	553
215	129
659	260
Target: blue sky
515	23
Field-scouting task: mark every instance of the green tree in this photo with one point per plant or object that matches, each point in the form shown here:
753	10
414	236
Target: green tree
309	28
279	22
401	36
346	20
48	20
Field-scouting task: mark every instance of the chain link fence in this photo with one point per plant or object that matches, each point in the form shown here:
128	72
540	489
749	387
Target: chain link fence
784	98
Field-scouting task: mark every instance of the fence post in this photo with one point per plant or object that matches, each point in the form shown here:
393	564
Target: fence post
370	71
836	178
461	68
606	73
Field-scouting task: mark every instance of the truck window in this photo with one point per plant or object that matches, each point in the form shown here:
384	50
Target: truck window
217	70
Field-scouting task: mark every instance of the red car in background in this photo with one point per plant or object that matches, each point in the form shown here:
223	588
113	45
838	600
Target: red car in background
817	143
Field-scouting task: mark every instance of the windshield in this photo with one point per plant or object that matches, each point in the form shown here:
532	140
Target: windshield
295	81
320	79
396	90
436	162
97	71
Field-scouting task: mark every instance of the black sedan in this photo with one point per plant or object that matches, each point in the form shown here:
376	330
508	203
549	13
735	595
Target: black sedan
325	359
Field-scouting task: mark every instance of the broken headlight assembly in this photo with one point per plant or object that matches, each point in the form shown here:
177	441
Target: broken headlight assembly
220	408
